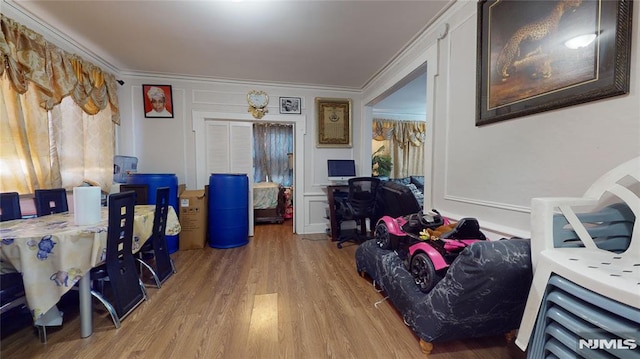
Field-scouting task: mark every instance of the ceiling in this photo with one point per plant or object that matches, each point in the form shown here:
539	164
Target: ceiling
336	44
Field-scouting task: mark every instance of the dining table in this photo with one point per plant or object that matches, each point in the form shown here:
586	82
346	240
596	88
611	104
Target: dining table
53	254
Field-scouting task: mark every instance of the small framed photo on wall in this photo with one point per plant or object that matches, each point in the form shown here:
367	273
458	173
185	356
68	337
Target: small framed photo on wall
290	105
158	101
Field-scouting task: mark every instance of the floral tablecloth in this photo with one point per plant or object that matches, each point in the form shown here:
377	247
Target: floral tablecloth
53	253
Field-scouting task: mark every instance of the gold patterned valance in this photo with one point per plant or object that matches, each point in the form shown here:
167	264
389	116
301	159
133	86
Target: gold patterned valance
402	132
28	59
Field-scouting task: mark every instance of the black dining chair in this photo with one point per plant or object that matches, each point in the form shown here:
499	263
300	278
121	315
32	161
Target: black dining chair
11	291
10	206
14	312
141	190
13	303
125	290
154	254
50	201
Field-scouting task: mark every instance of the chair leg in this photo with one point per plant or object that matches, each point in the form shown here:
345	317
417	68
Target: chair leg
150	269
42	333
110	308
363	227
144	289
359	234
53	317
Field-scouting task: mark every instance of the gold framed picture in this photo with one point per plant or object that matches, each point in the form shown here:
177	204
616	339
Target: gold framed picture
584	56
333	116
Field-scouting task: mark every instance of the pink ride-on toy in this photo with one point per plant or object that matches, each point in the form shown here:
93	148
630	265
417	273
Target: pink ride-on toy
426	258
430	259
398	233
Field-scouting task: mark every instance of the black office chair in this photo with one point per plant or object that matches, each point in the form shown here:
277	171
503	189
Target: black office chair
125	289
154	254
10	206
359	206
50	201
141	190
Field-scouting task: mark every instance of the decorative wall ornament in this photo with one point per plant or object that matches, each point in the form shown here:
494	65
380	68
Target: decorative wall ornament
258	101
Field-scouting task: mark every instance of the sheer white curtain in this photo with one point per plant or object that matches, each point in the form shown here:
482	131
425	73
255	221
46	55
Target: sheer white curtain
272	143
57	113
83	145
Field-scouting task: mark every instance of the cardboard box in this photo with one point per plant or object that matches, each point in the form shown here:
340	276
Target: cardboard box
193	219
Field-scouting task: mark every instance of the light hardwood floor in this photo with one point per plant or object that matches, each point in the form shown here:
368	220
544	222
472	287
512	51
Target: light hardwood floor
280	296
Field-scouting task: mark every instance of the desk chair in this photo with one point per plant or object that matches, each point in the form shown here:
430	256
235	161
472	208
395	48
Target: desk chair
10	206
50	201
141	190
359	206
162	267
119	270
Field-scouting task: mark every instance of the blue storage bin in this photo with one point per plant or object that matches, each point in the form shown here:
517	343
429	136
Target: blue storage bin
154	181
228	210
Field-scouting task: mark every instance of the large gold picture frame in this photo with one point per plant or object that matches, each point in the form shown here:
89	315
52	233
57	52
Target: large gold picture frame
530	58
333	116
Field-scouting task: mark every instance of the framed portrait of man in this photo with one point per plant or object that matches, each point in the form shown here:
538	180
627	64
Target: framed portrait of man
158	101
290	105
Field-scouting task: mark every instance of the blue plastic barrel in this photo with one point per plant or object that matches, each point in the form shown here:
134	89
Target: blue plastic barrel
228	210
155	181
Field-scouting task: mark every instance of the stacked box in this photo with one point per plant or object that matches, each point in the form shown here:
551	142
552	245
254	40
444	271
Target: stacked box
193	219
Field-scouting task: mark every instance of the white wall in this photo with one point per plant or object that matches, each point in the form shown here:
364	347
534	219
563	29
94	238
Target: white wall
492	172
488	172
169	146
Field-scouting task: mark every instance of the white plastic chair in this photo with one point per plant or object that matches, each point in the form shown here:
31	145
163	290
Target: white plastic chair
614	274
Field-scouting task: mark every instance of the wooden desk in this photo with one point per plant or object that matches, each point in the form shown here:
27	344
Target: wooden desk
333	223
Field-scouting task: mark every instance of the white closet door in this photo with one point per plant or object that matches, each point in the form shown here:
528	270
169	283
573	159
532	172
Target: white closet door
241	147
218	154
229	149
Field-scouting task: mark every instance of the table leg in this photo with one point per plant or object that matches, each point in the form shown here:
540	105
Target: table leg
86	314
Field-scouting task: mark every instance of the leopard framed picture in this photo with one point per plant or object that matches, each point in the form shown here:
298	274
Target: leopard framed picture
536	56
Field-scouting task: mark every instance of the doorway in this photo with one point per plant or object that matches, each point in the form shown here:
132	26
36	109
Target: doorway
422	97
200	120
273	146
398	128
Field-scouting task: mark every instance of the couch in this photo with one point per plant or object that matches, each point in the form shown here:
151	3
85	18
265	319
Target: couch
415	183
482	294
